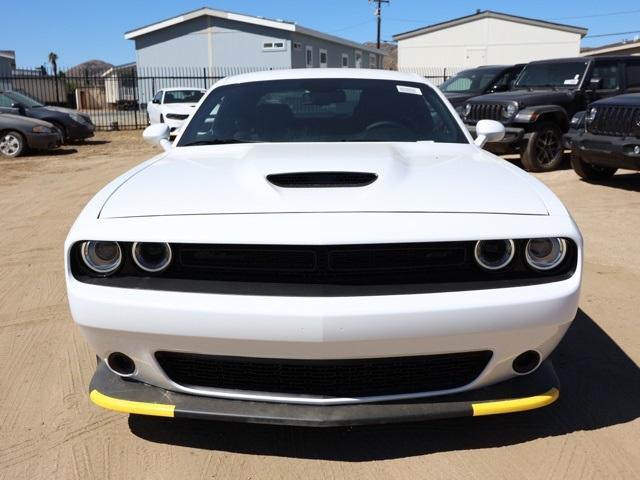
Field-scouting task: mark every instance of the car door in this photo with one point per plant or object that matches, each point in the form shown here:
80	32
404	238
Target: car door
153	109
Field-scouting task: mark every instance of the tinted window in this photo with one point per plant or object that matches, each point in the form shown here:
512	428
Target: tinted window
158	97
608	74
552	74
182	96
5	101
23	99
633	76
323	110
476	80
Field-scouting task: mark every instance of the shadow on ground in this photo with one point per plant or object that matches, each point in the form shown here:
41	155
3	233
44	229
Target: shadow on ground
600	388
625	181
51	153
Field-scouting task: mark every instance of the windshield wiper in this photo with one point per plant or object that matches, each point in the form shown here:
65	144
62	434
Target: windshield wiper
217	141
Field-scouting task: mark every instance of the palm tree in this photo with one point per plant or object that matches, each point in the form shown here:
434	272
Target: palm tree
53	60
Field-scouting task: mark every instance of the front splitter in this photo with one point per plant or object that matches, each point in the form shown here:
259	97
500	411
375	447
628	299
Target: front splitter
528	392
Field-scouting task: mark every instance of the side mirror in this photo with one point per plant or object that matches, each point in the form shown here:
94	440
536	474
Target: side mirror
499	88
18	106
156	101
596	83
488	131
158	135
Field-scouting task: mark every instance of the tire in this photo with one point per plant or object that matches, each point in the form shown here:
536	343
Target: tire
590	172
12	144
544	151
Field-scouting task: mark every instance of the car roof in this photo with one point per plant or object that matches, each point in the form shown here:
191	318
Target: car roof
178	89
319	73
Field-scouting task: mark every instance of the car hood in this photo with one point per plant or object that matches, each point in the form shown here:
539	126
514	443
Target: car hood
527	98
457	99
8	120
411	177
182	108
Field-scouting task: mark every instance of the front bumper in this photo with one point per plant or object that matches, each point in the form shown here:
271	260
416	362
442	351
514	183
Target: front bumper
528	392
44	141
607	151
79	131
174	125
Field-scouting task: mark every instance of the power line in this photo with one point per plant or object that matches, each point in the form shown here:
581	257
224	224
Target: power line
596	15
612	34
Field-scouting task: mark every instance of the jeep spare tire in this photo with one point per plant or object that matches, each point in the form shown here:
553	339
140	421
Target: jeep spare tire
544	151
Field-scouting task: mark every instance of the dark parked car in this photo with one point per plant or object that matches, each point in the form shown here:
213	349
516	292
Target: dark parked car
19	134
73	125
545	97
479	81
610	138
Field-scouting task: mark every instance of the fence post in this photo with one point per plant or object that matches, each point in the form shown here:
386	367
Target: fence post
136	101
444	75
204	77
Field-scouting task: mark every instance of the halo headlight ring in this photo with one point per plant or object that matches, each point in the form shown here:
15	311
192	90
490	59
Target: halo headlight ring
499	263
151	265
556	253
102	257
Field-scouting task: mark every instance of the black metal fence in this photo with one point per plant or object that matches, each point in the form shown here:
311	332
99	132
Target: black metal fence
117	98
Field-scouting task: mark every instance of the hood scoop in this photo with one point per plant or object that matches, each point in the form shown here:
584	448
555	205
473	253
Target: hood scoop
322	179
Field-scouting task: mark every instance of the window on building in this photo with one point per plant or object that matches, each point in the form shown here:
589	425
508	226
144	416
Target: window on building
324	58
297	46
358	59
633	77
273	46
309	56
608	74
345	60
373	61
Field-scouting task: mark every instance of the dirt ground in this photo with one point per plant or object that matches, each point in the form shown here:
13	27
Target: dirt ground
50	430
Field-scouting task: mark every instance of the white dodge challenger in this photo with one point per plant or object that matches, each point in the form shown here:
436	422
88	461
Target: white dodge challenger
324	247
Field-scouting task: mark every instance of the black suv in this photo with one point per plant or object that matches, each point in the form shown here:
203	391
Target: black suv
544	98
610	138
479	81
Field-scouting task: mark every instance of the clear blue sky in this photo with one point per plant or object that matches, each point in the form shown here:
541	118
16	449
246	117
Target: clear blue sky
79	30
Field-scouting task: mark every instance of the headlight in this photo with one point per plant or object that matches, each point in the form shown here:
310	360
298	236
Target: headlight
577	120
151	257
78	118
510	111
101	257
545	253
41	129
494	254
466	110
591	115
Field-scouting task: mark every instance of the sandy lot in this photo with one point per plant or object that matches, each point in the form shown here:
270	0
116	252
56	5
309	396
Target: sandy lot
49	429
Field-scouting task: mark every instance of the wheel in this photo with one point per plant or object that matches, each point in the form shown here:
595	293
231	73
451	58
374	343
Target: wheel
588	171
543	152
12	144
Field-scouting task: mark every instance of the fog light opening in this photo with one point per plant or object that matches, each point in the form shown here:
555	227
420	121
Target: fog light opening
526	362
121	364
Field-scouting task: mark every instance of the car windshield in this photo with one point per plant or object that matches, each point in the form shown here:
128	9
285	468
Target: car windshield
565	74
470	81
183	96
322	110
23	100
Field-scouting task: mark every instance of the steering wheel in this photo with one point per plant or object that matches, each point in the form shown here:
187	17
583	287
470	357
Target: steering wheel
384	123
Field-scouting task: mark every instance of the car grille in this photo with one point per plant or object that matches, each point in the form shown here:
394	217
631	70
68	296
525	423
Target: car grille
616	121
485	111
326	378
177	116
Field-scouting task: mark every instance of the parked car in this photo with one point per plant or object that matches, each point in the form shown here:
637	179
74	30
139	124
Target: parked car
19	134
73	125
609	139
479	81
173	106
324	247
546	95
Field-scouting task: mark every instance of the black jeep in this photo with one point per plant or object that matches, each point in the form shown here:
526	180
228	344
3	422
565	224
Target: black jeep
544	98
479	81
610	138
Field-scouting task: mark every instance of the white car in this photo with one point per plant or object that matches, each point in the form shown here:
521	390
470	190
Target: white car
173	106
324	247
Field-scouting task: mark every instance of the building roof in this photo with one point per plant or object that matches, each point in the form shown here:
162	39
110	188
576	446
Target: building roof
490	14
118	68
618	47
250	19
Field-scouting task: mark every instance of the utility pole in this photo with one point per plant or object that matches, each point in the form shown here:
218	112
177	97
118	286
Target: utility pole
379	16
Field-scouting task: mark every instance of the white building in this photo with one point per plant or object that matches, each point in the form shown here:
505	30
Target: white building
486	38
